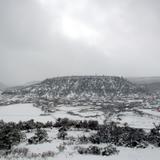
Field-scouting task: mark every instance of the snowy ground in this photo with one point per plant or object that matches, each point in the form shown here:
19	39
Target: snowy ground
149	153
124	154
79	113
24	112
135	120
70	151
153	112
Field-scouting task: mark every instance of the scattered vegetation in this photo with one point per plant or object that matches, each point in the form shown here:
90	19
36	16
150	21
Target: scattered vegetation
9	135
120	136
154	136
65	122
39	137
20	152
62	133
106	151
31	124
47	154
110	133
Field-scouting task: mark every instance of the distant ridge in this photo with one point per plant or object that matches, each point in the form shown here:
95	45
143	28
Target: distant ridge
144	80
151	83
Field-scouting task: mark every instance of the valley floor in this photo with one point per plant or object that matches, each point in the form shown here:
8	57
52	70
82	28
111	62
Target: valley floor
25	112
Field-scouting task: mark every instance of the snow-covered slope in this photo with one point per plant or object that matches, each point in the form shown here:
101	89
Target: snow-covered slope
80	86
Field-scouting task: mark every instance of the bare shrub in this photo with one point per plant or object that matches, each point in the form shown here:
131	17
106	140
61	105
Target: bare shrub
22	152
106	151
47	154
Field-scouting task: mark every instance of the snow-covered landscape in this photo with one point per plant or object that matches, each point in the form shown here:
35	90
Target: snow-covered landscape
70	122
79	80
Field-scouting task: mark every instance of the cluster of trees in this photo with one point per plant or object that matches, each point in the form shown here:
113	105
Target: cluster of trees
39	137
112	133
154	136
126	136
120	136
9	135
65	122
31	124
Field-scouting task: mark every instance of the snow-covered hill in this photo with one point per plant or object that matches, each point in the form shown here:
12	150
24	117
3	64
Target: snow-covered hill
80	86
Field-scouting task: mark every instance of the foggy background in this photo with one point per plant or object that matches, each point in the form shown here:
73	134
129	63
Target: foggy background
46	38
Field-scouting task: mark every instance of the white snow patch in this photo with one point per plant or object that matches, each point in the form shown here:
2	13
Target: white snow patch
151	111
135	120
79	113
22	112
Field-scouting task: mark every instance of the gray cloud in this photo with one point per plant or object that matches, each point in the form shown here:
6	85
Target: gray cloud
43	38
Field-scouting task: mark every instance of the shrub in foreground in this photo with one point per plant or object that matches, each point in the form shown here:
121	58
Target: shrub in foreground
9	136
39	137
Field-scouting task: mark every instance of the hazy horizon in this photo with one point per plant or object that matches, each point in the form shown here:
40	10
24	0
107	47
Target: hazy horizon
43	39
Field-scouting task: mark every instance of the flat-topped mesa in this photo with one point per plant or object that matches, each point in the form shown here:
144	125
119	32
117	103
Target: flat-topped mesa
78	86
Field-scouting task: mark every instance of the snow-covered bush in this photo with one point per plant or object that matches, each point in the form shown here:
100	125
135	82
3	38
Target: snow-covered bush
61	147
83	139
109	150
120	136
39	137
9	135
31	124
20	152
65	122
154	136
62	133
106	151
48	154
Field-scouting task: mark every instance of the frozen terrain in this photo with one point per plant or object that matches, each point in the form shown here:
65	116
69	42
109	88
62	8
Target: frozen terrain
24	112
137	121
79	99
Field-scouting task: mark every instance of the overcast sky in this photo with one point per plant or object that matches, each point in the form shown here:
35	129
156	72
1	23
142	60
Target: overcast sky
46	38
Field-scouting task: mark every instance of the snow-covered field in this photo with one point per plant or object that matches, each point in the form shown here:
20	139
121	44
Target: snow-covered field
149	153
124	154
136	121
79	113
70	152
22	112
153	112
